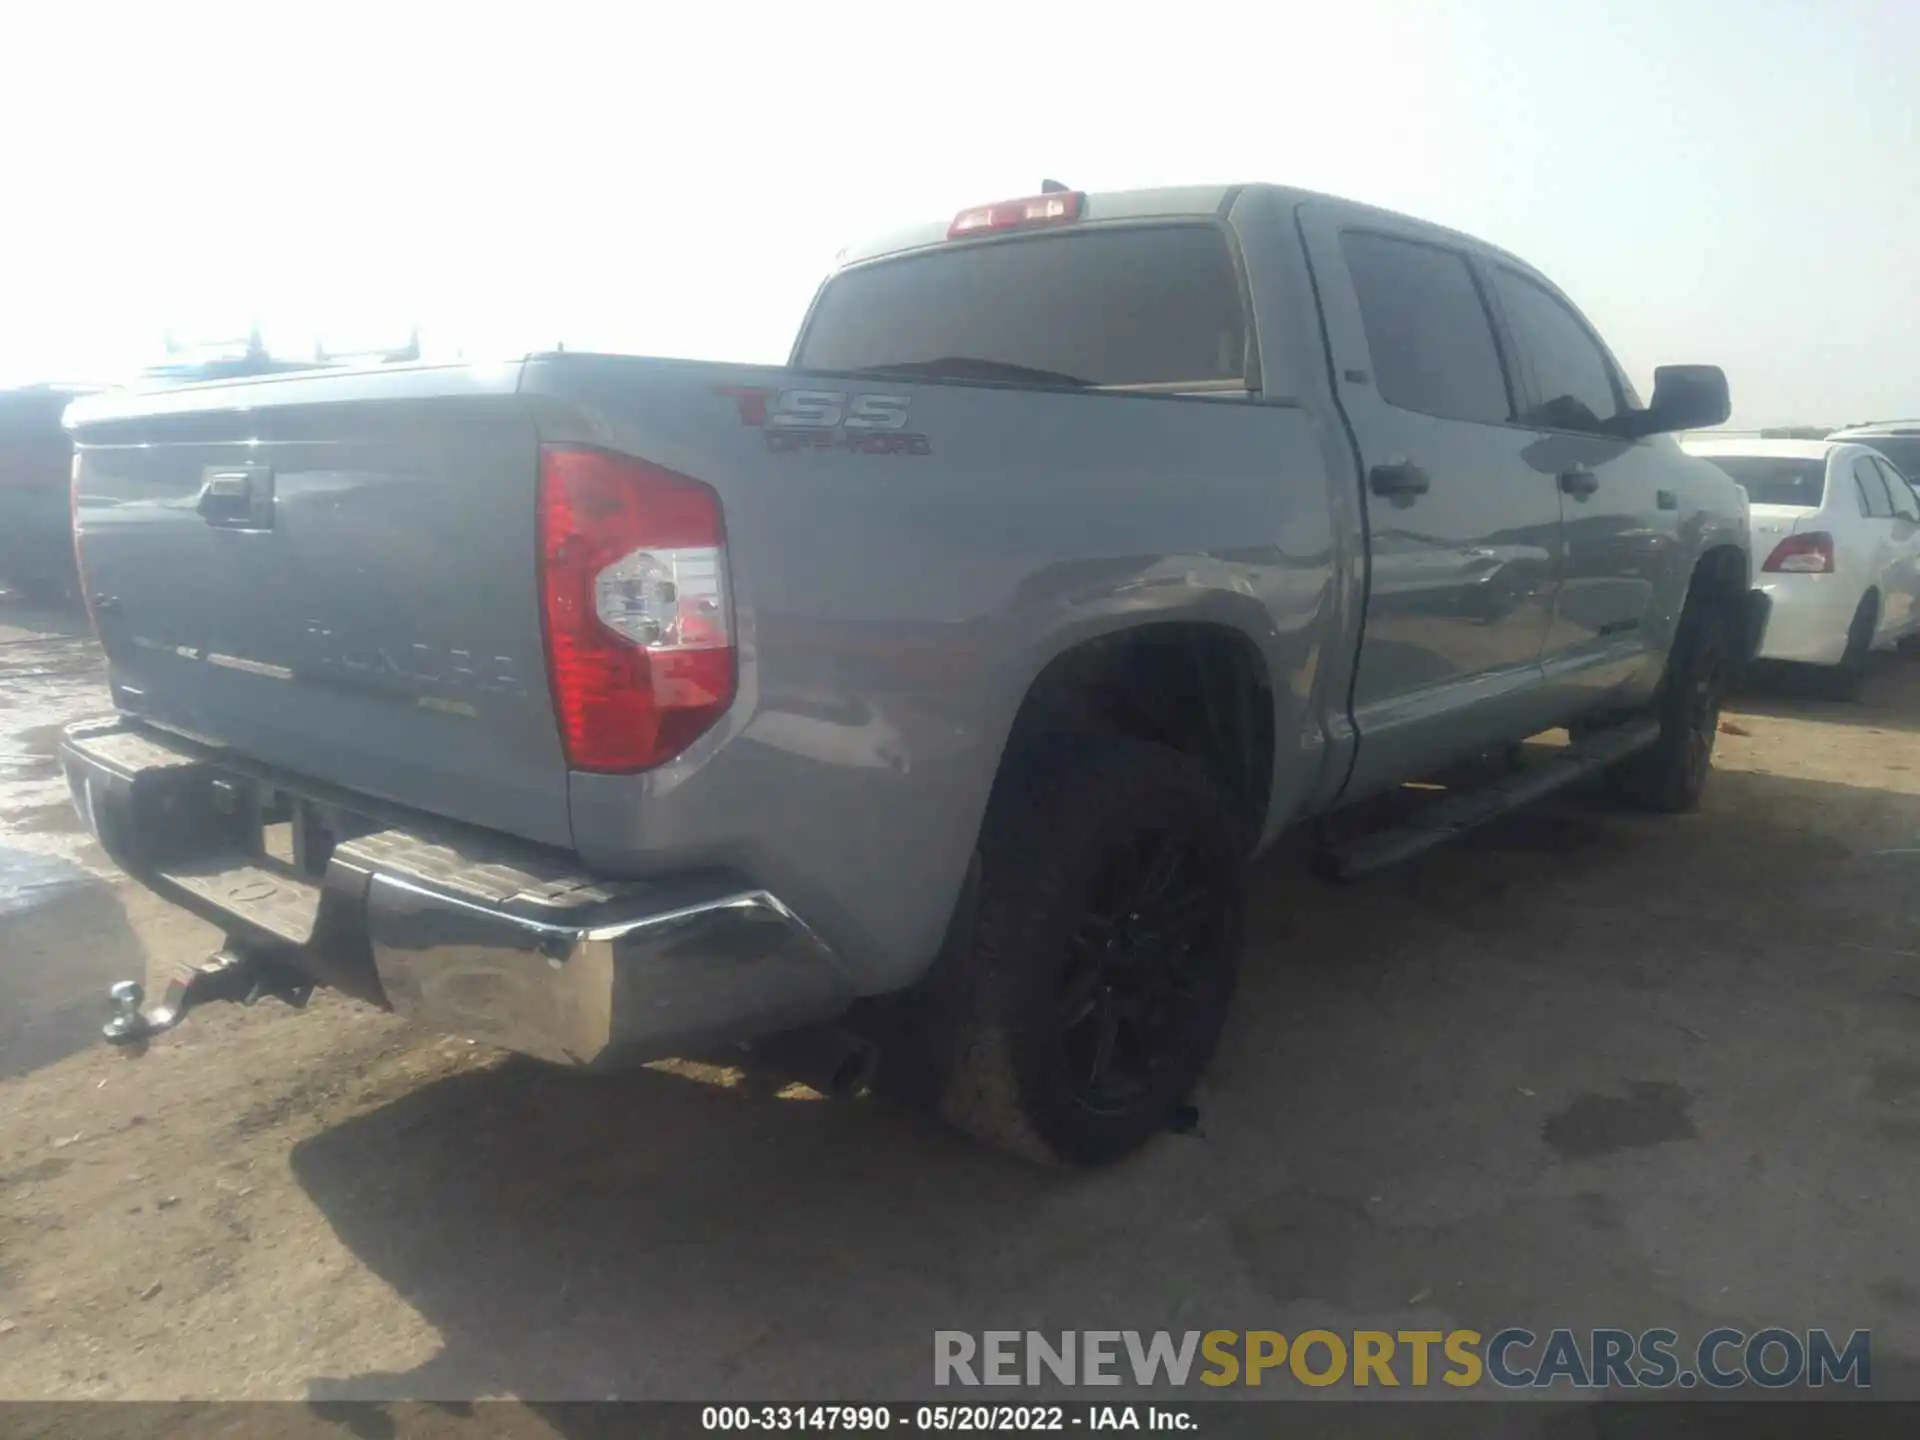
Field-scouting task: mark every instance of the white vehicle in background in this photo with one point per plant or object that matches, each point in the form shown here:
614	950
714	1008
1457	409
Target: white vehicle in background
1836	529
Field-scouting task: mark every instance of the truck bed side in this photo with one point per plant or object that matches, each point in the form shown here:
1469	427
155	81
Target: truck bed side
894	608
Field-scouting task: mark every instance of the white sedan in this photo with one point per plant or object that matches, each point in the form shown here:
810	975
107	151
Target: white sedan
1836	537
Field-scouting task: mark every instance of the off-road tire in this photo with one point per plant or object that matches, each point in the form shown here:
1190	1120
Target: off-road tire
1669	776
1846	680
1058	829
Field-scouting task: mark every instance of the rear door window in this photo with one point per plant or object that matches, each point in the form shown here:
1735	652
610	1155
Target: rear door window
1428	332
1904	503
1873	489
1152	306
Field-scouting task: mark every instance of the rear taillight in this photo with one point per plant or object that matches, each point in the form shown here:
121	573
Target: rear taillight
633	583
1054	208
1808	554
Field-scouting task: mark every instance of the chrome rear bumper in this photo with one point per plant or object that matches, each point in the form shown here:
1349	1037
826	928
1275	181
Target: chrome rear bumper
470	933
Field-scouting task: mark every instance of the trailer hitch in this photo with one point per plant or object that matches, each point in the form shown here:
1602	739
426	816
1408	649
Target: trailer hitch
233	973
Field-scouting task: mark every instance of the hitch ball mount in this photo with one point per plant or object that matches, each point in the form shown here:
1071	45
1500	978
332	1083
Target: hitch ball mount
232	973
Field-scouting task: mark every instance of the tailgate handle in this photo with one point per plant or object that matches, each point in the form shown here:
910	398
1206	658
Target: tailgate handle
238	497
1579	482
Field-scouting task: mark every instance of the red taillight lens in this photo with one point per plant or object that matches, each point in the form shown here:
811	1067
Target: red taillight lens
633	583
1053	209
1808	554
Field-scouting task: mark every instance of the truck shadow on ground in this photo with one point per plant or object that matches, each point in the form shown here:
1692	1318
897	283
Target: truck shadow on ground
1586	1069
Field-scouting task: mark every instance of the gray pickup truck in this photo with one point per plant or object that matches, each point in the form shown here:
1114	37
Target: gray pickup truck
910	713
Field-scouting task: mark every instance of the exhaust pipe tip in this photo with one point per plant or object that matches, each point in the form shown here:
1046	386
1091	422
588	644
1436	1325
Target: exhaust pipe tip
828	1060
855	1075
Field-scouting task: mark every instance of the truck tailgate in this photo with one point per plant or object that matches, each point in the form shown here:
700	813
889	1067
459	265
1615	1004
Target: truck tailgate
334	574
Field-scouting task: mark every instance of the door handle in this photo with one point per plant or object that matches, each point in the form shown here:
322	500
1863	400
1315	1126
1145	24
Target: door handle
1400	478
1579	483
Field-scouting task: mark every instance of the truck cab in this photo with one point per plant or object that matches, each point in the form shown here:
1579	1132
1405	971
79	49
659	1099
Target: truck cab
1518	540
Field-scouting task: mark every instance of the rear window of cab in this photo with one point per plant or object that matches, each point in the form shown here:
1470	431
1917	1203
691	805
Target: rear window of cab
1147	306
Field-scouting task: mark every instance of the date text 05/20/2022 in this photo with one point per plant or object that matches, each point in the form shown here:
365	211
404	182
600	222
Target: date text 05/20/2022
865	1419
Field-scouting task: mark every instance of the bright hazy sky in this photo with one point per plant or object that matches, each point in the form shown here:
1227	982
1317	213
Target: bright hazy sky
1734	181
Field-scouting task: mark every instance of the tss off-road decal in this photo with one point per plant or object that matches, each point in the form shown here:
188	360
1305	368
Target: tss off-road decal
866	424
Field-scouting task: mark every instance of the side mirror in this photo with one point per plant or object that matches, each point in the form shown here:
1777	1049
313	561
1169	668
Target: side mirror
1685	397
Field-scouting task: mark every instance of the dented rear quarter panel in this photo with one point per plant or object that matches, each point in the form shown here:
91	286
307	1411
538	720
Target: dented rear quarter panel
893	609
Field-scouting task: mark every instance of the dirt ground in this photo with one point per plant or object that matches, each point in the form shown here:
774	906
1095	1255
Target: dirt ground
1587	1069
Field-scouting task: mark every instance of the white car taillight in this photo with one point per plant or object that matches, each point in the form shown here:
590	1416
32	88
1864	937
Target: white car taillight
1808	554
